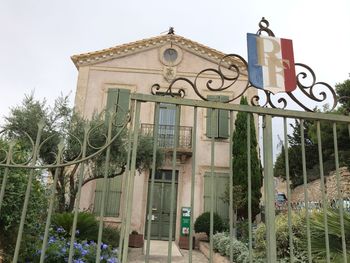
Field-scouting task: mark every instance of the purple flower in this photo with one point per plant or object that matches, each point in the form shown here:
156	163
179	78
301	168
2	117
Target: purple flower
104	246
60	230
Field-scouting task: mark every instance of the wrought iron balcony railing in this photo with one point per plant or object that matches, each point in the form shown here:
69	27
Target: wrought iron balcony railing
166	134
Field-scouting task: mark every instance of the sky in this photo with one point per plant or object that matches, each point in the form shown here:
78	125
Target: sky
37	37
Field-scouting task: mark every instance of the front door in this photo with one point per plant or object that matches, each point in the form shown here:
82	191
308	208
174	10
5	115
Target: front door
161	205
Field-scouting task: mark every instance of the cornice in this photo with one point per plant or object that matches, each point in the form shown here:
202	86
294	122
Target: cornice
92	58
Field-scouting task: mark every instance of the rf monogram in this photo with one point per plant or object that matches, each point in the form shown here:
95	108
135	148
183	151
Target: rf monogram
268	49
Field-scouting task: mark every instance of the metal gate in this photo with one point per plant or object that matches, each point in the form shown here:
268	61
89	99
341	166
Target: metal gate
263	116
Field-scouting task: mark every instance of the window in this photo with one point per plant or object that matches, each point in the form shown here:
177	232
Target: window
112	204
166	132
220	130
117	100
221	181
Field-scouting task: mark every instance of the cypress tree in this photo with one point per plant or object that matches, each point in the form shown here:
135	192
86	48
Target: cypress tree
240	163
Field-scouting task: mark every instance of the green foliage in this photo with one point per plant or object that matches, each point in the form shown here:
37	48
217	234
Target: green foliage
62	122
295	155
343	92
202	223
311	143
282	237
11	210
111	236
84	251
318	243
87	228
87	224
240	164
222	244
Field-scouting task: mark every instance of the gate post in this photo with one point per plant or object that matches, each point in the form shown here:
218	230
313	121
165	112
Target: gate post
269	190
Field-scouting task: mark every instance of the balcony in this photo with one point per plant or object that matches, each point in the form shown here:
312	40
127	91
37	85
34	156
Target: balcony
166	134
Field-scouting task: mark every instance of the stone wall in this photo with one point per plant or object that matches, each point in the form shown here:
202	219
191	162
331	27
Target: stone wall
314	187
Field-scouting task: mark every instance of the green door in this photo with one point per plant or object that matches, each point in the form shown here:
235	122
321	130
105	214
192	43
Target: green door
161	205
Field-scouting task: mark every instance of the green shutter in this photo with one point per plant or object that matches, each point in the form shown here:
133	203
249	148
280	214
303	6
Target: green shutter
223	120
220	207
118	100
210	132
112	205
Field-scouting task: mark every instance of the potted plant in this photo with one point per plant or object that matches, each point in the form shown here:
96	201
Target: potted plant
184	242
135	239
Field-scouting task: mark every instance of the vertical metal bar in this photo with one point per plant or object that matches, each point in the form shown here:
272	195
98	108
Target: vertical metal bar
340	196
125	185
52	201
132	178
176	135
306	199
324	195
286	161
230	188
212	182
6	172
77	202
151	189
28	190
249	169
270	194
105	184
193	181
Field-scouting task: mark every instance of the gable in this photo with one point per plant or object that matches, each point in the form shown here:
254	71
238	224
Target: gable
132	48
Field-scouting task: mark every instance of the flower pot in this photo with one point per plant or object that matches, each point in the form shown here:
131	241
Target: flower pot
184	242
135	240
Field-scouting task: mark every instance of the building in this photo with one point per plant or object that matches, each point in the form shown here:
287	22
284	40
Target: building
134	68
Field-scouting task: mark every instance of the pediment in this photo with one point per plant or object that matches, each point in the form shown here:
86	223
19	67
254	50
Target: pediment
131	48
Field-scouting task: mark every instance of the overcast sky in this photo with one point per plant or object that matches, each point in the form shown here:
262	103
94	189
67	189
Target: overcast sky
37	37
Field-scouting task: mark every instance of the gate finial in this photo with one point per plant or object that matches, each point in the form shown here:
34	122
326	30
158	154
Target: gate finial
264	27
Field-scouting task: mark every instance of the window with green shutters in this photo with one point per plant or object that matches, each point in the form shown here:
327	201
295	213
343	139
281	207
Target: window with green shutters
221	180
220	128
118	101
112	204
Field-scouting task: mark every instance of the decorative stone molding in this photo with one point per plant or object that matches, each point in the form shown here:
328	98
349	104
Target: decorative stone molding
91	58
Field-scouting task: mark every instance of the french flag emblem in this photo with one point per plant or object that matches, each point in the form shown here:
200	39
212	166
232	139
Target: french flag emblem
271	63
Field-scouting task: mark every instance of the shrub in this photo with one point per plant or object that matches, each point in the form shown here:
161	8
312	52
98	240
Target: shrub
111	236
221	244
238	248
282	237
86	224
202	223
84	251
11	211
217	238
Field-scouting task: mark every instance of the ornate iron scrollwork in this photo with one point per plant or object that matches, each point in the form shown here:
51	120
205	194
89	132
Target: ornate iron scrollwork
233	67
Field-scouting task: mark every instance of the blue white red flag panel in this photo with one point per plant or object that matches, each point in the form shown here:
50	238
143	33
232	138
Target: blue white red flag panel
271	63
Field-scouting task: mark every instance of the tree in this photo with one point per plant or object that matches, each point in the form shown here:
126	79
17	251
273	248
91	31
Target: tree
62	122
11	209
311	143
240	164
343	92
295	154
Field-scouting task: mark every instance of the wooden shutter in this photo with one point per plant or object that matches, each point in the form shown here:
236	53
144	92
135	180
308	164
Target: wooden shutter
112	205
221	181
118	101
223	121
212	132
